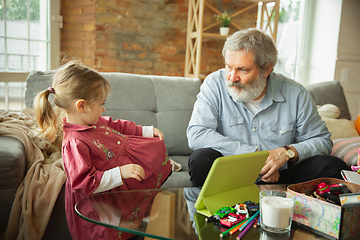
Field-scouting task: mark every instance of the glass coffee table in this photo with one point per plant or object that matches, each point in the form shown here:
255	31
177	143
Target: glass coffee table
165	216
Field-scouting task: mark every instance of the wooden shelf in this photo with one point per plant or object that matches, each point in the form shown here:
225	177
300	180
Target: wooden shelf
214	36
196	32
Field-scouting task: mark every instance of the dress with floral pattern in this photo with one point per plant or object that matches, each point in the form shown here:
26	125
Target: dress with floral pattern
89	151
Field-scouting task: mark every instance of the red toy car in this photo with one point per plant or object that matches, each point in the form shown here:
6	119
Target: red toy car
232	219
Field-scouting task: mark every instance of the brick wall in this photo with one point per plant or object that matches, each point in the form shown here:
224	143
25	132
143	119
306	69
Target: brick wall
138	36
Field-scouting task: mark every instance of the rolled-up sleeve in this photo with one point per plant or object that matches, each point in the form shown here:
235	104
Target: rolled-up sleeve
312	136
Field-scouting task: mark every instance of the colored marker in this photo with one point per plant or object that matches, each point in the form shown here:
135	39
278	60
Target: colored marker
223	234
344	176
256	222
247	223
240	228
242	233
234	230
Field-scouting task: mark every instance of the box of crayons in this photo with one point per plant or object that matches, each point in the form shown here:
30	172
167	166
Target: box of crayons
327	206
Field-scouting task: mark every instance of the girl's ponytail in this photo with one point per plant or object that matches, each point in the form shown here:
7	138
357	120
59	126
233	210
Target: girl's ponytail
71	81
46	118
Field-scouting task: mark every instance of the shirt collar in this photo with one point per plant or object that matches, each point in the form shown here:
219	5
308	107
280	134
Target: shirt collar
273	92
71	127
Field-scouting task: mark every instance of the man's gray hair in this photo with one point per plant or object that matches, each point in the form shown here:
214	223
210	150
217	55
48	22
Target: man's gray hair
256	41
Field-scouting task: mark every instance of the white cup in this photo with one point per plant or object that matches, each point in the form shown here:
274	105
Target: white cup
276	210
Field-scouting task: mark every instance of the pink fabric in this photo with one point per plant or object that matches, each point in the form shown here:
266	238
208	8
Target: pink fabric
347	149
89	151
348	156
343	142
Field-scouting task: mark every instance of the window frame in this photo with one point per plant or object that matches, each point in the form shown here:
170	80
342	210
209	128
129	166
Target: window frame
55	25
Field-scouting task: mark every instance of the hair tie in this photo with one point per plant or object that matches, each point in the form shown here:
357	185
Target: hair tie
51	90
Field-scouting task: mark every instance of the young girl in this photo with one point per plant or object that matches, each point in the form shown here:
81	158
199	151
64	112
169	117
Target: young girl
99	154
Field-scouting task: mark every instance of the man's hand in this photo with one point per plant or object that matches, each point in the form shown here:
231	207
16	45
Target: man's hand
158	133
276	159
273	177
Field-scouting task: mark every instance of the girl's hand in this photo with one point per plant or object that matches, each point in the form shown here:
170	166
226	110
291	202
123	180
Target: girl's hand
132	171
158	133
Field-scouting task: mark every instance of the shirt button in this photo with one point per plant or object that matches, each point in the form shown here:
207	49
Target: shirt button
253	129
280	132
106	133
118	142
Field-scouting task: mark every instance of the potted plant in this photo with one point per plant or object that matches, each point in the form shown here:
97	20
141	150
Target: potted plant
224	20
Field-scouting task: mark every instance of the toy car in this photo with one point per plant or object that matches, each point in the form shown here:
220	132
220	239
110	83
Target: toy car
249	203
232	219
223	212
241	209
253	209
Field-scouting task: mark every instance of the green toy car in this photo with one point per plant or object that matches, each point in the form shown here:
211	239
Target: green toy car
223	212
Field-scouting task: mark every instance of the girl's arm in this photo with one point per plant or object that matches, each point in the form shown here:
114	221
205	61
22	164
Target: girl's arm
123	126
123	172
130	128
150	131
81	173
107	181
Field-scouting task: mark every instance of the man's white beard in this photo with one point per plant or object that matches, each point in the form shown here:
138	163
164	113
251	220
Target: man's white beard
247	92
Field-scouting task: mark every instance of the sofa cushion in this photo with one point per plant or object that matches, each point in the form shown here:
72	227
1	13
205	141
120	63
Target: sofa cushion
330	92
36	82
340	128
347	149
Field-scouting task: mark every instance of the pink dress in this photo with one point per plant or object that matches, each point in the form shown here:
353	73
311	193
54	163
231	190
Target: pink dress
89	151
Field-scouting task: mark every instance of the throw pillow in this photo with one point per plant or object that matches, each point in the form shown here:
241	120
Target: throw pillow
340	128
347	149
329	110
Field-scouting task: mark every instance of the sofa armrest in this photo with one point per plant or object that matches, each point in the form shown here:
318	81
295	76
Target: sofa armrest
12	172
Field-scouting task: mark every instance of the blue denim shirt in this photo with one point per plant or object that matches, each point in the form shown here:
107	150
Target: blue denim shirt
287	116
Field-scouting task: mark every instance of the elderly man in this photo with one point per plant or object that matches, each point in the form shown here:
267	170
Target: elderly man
246	107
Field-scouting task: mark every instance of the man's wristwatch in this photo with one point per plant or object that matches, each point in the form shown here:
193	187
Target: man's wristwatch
290	153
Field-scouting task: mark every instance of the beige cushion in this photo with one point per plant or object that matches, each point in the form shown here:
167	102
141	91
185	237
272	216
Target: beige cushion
340	128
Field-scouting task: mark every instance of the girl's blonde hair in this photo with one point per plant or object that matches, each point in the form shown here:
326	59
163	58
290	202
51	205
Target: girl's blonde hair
72	81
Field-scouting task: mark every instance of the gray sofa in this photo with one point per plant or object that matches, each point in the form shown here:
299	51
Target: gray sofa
160	101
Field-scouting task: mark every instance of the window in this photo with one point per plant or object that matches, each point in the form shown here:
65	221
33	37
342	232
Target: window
307	39
287	38
24	38
26	43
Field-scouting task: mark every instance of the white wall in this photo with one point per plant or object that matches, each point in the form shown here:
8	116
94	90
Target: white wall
347	69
